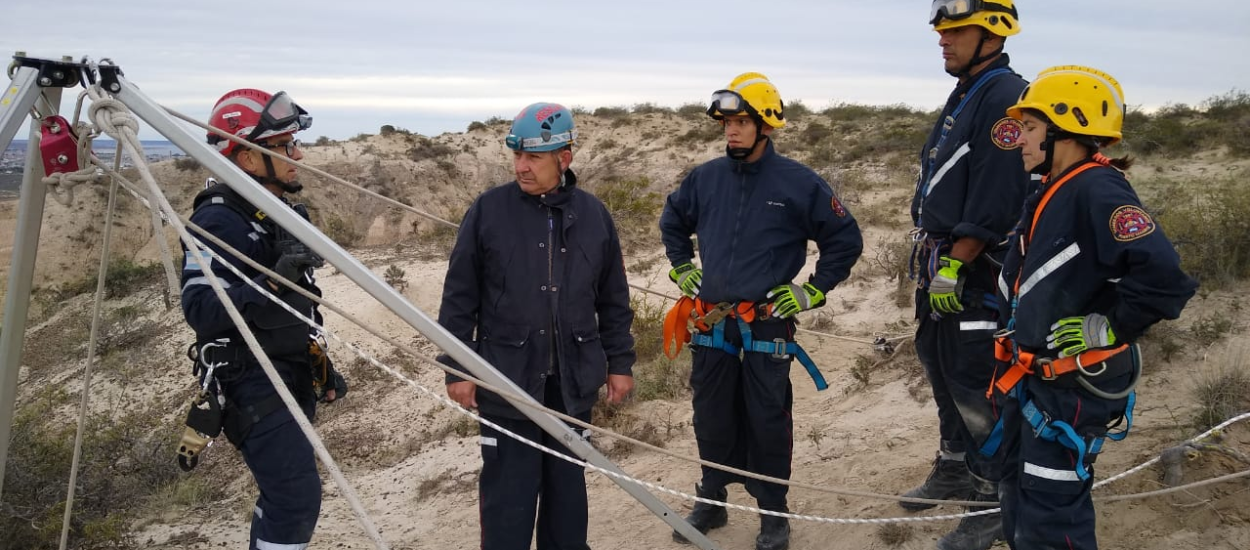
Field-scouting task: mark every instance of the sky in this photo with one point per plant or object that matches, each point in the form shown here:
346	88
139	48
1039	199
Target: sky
434	67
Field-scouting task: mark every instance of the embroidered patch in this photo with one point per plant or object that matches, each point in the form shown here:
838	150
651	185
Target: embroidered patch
838	210
1006	133
1130	223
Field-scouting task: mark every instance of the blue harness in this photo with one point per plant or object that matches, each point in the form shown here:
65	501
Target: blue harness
1058	431
778	348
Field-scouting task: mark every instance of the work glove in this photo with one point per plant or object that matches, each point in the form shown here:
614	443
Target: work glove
295	259
688	278
946	286
790	298
1073	335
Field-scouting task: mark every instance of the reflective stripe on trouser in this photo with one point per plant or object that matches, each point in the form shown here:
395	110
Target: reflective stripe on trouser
957	352
519	483
1045	504
282	462
742	412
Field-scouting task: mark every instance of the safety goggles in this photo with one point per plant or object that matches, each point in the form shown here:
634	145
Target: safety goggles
280	114
727	102
962	9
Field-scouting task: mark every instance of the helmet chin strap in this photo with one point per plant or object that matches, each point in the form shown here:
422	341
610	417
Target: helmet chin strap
741	153
271	177
1048	147
977	58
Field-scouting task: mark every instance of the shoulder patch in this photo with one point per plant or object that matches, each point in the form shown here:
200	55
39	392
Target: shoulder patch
1129	223
838	210
1006	133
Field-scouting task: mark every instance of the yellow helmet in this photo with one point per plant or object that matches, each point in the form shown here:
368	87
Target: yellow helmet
752	94
1079	100
997	16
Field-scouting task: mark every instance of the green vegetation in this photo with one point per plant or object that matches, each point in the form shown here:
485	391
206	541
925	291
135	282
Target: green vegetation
634	208
124	277
1208	221
1180	130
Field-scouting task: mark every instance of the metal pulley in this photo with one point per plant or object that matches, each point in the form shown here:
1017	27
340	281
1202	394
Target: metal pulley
58	146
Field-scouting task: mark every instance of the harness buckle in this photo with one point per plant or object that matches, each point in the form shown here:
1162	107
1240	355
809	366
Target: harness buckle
1044	369
718	313
779	349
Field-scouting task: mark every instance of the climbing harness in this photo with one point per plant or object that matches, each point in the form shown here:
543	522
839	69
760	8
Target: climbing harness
700	318
205	419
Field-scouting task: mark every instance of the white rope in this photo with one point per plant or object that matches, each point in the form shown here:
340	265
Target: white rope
86	375
1154	460
112	117
61	184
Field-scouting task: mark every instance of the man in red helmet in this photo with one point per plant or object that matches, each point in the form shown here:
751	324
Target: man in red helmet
253	416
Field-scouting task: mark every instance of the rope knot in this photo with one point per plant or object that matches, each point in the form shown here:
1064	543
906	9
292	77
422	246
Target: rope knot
111	116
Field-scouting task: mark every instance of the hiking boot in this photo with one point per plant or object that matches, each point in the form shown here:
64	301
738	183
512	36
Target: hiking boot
949	480
774	532
976	532
703	516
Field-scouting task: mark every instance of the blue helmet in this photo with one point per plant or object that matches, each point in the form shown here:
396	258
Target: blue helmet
542	127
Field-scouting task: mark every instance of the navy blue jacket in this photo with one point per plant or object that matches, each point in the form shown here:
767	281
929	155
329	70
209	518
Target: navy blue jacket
973	183
282	335
536	285
1094	250
753	221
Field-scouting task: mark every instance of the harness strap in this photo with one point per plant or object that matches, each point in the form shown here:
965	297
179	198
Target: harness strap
778	348
691	315
1023	362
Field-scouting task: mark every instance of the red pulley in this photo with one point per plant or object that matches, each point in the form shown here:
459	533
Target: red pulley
58	146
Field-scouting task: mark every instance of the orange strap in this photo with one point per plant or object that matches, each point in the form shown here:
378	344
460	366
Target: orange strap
688	314
1047	369
1050	192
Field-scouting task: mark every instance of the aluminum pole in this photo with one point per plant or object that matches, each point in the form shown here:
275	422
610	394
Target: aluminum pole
22	266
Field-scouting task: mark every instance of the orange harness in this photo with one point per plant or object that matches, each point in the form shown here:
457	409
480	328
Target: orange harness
1023	362
692	314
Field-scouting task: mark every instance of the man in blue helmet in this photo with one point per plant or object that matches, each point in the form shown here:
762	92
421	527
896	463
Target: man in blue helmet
968	195
754	212
251	413
536	285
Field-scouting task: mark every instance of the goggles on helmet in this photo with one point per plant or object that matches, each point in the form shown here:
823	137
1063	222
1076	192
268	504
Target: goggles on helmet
728	102
280	114
962	9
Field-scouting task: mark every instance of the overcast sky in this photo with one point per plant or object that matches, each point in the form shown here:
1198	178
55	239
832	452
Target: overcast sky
433	67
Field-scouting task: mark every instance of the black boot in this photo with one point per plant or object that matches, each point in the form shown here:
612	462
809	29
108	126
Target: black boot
949	480
976	532
774	532
703	516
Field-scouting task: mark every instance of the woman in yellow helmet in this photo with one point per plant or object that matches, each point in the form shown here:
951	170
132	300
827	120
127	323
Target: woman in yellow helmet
1087	273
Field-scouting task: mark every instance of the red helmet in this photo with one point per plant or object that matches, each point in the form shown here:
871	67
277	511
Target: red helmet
255	115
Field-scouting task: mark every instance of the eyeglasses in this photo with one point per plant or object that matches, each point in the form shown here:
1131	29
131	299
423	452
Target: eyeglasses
727	102
287	147
962	9
280	114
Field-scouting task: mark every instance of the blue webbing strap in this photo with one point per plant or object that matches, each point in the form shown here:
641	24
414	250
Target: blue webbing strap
777	348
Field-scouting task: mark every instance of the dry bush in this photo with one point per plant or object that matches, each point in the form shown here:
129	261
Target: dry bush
1208	222
1222	390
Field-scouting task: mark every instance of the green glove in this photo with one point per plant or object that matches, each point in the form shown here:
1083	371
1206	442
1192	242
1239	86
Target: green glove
790	298
688	278
1073	335
946	286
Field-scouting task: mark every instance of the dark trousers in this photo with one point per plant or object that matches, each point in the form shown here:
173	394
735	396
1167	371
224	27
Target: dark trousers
1045	505
519	482
957	352
282	462
742	412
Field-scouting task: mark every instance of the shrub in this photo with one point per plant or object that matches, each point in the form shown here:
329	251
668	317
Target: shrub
634	208
1222	390
386	130
476	126
426	149
123	278
124	464
650	108
1208	222
796	110
611	112
323	141
396	277
186	164
692	110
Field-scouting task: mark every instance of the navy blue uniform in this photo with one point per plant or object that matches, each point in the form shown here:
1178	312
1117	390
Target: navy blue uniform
753	222
1094	249
536	285
275	450
971	185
